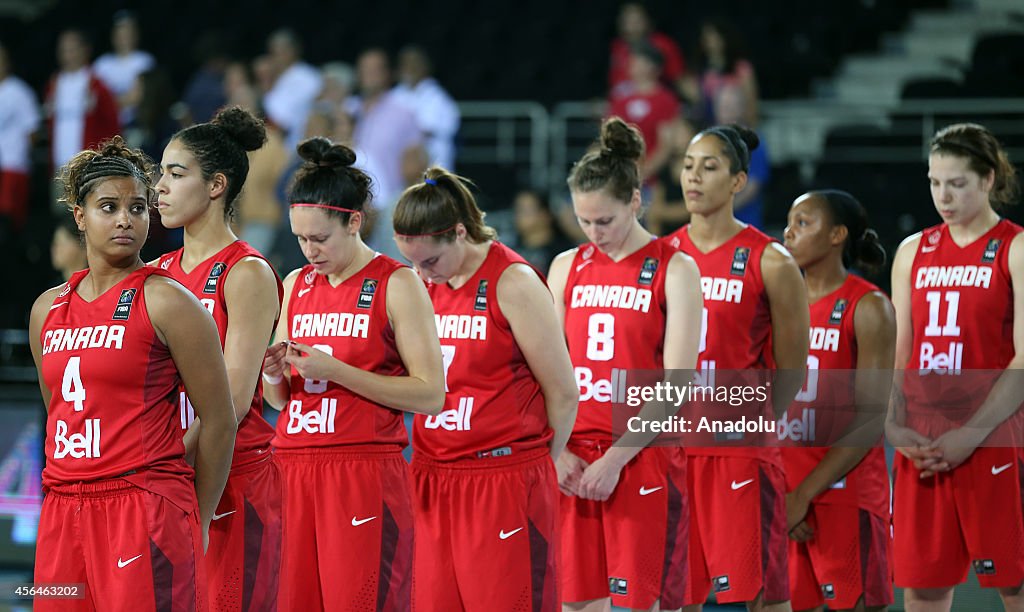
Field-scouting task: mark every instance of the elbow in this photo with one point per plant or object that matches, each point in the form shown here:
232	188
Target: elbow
433	403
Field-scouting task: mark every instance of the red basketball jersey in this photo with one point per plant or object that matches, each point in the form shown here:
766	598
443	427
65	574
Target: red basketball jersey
736	334
614	322
961	301
351	323
824	407
113	406
493	404
207	281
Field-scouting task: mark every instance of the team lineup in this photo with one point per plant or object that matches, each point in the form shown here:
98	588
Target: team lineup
529	487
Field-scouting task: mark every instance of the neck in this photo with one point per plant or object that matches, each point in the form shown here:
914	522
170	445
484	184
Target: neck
105	274
636	239
713	229
824	276
976	227
363	255
475	254
206	236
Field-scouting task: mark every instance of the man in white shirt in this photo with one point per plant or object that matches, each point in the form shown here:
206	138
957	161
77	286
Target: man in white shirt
19	119
291	97
119	69
436	113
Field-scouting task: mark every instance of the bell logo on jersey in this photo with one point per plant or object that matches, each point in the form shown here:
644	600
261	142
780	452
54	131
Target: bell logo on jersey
124	305
721	289
837	312
647	270
800	429
949	362
991	249
84	445
456	419
824	339
739	261
366	293
77	338
953	276
331	324
611	296
605	390
461	327
317	421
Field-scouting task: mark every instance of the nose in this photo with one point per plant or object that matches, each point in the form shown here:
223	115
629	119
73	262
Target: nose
124	218
787	234
161	186
308	250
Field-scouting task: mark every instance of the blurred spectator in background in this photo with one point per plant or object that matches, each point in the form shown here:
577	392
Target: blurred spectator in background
81	110
119	68
667	211
644	101
635	26
385	128
152	95
204	94
67	249
415	161
436	113
722	61
19	119
730	107
296	84
540	238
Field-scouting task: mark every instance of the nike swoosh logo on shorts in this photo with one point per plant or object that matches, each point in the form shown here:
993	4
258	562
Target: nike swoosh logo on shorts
505	536
217	517
357	522
740	485
584	264
303	292
999	470
121	563
644	491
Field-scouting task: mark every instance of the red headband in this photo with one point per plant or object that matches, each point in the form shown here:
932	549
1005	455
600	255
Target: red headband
437	233
327	206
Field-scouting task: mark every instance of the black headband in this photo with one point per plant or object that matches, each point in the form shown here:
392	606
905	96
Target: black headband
733	139
966	148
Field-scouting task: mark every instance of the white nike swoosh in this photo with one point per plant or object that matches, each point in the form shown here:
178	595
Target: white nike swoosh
584	264
58	305
505	536
121	563
740	485
925	249
1001	469
217	517
644	491
357	522
303	292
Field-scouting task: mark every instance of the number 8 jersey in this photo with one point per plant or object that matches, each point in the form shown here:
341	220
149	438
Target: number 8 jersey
614	322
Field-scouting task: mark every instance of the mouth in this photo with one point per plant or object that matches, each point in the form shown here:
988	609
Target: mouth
124	239
693	194
161	205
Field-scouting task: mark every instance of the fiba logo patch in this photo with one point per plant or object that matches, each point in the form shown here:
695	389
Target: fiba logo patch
124	305
984	567
211	281
991	249
366	293
647	271
739	261
828	591
617	586
481	296
720	584
837	312
66	290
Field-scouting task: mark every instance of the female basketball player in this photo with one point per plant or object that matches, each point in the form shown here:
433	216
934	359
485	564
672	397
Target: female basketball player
484	484
121	515
204	168
958	289
627	301
837	502
358	346
753	293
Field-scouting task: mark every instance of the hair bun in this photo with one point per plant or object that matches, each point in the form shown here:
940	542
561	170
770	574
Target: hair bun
747	135
242	126
322	152
621	139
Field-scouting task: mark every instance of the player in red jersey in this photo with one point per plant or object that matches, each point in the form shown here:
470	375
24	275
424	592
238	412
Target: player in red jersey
755	308
203	169
628	302
837	503
356	349
958	289
121	514
484	484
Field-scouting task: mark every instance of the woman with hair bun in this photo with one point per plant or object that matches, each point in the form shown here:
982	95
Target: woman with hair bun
755	326
624	507
484	482
357	348
837	501
204	168
124	516
958	290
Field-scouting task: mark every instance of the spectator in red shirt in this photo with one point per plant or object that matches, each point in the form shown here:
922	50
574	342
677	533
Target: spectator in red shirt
635	26
644	101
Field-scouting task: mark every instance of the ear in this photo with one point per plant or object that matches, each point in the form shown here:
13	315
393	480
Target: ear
635	202
739	181
355	222
839	235
988	181
218	185
460	231
79	214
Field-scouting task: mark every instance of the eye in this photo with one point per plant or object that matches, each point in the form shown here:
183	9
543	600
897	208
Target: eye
139	209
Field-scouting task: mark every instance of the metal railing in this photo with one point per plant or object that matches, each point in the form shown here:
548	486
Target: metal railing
514	132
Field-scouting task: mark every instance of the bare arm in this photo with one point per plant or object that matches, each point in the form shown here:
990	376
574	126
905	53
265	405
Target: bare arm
790	314
190	334
558	275
412	317
276	393
40	309
528	306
